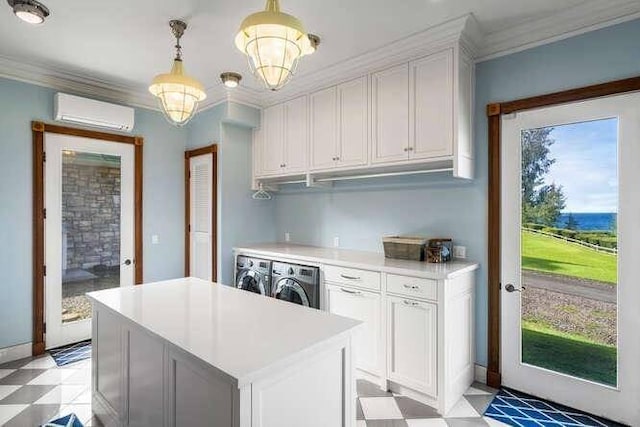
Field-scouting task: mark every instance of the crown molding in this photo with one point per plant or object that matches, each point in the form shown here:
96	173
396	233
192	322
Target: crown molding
465	30
417	44
562	25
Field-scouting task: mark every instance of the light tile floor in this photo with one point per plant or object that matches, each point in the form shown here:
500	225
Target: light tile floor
35	390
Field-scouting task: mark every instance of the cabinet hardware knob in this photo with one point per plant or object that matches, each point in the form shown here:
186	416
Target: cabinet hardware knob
414	287
410	148
406	149
337	158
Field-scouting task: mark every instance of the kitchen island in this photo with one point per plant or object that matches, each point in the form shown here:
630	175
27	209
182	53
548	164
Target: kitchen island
187	352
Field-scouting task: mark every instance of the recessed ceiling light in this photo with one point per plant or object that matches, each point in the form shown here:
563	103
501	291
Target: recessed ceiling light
230	79
314	41
30	11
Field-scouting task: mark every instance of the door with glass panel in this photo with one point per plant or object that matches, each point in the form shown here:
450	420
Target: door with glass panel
89	229
570	244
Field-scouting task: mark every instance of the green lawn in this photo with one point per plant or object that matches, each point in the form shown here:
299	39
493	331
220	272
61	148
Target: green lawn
546	254
572	355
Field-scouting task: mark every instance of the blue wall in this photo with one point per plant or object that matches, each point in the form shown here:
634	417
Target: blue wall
361	213
21	103
241	219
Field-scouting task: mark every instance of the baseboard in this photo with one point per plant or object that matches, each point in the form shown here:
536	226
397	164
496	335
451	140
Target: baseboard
480	374
20	351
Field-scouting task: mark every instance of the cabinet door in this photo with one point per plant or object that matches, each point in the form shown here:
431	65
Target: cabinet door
256	152
390	114
363	306
324	130
352	104
273	140
296	135
412	344
431	106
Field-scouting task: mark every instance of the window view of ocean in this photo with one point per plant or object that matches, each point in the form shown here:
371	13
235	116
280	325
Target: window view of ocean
589	221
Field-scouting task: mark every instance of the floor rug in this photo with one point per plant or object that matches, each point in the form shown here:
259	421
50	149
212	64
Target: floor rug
71	353
522	410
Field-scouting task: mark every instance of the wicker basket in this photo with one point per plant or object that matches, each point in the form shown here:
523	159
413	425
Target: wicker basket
399	247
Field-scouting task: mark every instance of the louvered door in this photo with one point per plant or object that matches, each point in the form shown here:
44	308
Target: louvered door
201	211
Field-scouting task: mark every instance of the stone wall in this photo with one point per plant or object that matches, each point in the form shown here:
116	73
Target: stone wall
91	215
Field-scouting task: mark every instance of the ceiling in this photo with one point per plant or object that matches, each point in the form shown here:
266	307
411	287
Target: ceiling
127	42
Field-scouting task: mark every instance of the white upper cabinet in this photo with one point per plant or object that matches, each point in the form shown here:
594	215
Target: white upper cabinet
390	114
353	141
283	139
324	131
431	106
410	117
295	135
272	140
339	126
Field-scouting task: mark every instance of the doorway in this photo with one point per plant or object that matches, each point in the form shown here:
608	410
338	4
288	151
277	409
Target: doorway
569	228
201	212
88	226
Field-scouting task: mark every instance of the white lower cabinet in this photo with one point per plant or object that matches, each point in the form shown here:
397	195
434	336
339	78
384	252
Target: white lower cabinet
364	306
412	339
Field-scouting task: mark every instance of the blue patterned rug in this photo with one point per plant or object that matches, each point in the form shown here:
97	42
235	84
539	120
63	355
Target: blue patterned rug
71	353
521	410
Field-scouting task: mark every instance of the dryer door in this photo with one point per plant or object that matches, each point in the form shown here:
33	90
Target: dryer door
290	290
251	281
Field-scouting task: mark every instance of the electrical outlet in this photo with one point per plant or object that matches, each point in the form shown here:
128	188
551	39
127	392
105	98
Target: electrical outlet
459	252
155	239
336	242
287	236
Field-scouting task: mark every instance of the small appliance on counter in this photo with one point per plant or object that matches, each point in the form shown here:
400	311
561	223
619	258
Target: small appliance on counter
439	250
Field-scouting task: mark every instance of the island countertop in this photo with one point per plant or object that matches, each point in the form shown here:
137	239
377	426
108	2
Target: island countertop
358	259
239	333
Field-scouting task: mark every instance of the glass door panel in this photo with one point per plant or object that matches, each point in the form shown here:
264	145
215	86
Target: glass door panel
569	255
90	229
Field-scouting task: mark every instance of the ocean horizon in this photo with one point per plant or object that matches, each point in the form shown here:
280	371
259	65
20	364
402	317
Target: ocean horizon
589	221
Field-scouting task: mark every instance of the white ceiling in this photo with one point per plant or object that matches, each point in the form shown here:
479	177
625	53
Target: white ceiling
127	42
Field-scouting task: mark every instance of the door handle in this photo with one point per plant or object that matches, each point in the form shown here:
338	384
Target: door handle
510	288
127	262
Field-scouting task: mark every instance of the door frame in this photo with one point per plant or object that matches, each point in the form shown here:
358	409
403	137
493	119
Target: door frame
38	129
495	111
213	150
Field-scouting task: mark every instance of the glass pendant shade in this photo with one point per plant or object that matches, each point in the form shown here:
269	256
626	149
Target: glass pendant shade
178	93
274	42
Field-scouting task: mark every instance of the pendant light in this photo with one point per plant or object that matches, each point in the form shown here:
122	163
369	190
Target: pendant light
178	93
274	42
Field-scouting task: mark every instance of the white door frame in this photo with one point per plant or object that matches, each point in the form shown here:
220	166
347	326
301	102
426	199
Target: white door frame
59	333
617	403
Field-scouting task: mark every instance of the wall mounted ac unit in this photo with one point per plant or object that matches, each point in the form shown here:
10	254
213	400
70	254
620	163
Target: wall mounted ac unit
74	109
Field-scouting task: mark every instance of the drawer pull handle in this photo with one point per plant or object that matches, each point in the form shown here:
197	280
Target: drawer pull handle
344	276
413	287
411	303
351	292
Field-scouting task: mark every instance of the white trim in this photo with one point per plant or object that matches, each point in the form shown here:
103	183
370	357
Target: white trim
580	19
574	21
480	374
16	352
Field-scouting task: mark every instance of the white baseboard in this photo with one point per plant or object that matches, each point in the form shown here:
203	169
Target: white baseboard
20	351
481	374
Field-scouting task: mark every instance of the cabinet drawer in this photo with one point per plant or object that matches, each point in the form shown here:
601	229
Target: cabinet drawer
352	277
412	286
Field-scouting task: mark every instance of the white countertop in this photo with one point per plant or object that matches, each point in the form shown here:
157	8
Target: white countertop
242	334
358	259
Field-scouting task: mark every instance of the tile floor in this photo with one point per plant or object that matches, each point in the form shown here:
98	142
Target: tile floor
35	390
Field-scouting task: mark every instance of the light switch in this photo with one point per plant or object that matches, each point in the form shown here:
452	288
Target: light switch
155	239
